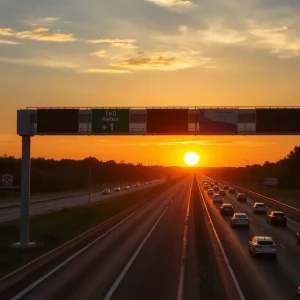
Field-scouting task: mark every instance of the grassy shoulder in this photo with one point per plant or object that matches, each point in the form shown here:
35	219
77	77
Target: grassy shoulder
287	196
53	229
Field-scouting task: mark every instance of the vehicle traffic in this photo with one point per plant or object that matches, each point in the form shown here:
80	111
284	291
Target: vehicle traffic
106	192
276	218
231	190
117	189
216	189
126	187
262	245
210	192
222	192
241	197
217	198
239	220
226	209
259	208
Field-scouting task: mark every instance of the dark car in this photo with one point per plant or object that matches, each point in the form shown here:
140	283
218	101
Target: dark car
276	218
231	190
226	209
241	197
216	189
222	193
226	187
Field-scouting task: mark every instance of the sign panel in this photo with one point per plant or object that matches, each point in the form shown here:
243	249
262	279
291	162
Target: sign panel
110	121
138	121
85	121
246	121
7	180
218	121
167	121
278	120
194	120
57	121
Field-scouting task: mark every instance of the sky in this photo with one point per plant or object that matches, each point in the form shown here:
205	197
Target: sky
149	53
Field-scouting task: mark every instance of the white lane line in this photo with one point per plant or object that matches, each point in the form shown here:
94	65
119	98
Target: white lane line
183	253
130	262
69	259
250	218
282	246
237	286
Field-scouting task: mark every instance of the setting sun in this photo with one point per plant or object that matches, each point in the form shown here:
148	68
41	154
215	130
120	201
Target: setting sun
191	158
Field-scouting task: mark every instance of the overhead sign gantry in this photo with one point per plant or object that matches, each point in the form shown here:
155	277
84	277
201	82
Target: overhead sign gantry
144	121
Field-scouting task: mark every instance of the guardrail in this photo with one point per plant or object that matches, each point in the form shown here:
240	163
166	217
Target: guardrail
290	211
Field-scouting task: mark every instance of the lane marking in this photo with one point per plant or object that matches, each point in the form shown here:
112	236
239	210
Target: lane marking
282	246
250	218
133	257
184	246
237	286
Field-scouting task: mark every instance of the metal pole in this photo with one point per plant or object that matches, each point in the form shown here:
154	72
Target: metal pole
25	194
89	182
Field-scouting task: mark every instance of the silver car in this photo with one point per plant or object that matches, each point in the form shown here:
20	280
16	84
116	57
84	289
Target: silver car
239	220
117	189
262	245
259	208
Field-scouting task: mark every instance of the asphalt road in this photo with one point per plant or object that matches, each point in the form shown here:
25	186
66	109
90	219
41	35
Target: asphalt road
141	258
57	204
259	278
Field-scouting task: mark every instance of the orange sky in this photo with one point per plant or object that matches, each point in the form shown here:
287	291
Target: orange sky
149	53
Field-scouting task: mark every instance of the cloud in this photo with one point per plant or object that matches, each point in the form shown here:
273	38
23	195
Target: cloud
124	43
105	71
39	34
171	3
40	21
99	53
7	42
162	61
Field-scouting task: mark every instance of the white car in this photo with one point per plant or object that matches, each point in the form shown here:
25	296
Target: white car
117	189
239	220
217	198
259	208
262	245
126	187
106	192
210	192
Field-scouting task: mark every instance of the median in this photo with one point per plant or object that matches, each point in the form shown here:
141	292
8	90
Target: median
54	229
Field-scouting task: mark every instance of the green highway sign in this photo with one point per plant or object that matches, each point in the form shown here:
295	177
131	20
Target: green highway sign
110	121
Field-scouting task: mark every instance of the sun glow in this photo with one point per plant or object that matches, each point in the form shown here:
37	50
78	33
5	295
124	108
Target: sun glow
191	158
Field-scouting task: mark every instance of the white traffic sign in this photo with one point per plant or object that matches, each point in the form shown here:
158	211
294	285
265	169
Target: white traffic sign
7	179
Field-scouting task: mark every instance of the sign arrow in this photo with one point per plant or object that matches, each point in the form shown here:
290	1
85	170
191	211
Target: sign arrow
104	127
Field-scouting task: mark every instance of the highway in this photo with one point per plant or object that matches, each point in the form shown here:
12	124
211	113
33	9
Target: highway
12	213
138	258
259	278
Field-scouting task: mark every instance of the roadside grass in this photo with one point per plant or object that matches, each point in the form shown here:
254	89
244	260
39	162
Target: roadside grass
53	229
287	196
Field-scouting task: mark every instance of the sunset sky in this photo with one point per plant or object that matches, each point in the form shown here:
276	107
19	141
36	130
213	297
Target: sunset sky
149	53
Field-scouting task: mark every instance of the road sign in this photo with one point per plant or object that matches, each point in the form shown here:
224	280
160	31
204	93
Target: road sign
7	180
110	121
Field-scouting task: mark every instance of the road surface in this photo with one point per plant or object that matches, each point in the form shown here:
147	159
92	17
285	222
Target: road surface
259	278
13	213
138	259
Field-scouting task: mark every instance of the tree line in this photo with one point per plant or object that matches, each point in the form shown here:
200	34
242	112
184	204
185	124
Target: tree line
49	175
287	170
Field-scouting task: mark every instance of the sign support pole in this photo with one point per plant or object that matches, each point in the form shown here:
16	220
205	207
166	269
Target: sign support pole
25	195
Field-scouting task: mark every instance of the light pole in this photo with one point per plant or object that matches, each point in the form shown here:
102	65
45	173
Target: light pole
89	182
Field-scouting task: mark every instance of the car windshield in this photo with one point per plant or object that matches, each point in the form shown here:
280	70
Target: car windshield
265	243
260	205
278	214
241	217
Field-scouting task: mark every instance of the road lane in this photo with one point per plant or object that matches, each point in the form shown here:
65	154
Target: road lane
93	273
259	278
49	206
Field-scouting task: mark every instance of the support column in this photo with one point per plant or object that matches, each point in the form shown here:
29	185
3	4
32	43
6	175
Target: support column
25	195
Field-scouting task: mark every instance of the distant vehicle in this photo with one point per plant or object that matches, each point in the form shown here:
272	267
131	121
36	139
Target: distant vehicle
222	193
259	208
210	192
298	293
231	190
226	209
239	220
262	245
212	184
216	189
241	197
117	189
298	238
217	198
137	184
276	218
205	186
226	187
106	192
126	187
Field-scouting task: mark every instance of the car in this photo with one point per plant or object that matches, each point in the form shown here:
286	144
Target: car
210	192
298	293
216	188
126	187
239	220
106	192
226	187
205	186
241	197
298	238
117	189
262	245
259	208
231	190
217	198
226	209
276	218
222	192
212	184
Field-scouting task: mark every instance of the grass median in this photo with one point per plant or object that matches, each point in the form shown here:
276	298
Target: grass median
53	229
